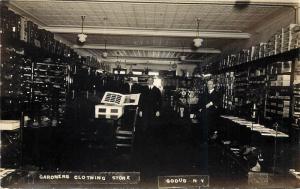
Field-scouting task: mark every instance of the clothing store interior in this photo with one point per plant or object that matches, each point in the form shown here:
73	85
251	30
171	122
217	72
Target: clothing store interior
150	94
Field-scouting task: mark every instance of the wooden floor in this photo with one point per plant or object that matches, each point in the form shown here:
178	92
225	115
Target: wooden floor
172	147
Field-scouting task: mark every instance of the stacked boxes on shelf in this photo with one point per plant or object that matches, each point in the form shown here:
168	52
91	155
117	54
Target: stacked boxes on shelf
37	89
229	61
222	84
32	34
227	83
223	64
23	29
257	81
59	48
15	75
49	92
254	52
296	92
278	107
280	41
4	21
26	86
297	72
244	56
262	50
272	46
284	40
257	76
14	23
290	37
232	60
297	101
240	87
46	39
10	24
20	28
280	73
294	40
279	92
258	51
266	83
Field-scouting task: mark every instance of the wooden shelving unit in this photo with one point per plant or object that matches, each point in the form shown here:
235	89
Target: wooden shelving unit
268	83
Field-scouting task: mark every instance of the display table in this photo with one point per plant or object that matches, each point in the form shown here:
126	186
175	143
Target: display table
10	144
295	173
9	125
264	131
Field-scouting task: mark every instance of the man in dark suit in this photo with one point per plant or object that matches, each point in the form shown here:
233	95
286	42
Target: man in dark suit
209	104
130	87
150	104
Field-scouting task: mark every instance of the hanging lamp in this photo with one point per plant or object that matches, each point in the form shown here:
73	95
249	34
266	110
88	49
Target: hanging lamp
104	54
182	56
82	37
198	41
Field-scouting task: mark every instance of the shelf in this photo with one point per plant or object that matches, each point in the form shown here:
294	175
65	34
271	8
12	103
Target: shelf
50	64
50	76
285	56
295	126
282	73
40	70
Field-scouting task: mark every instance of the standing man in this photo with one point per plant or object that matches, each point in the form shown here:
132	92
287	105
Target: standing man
209	104
150	104
130	87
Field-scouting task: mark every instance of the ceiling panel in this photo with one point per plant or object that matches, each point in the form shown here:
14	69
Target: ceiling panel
145	15
145	41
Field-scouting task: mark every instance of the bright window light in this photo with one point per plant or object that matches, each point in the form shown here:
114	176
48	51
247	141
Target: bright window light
157	83
137	73
153	73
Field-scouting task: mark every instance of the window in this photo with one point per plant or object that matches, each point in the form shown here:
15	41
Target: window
137	72
119	71
153	73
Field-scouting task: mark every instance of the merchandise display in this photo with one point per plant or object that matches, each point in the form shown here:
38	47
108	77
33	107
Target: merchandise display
116	94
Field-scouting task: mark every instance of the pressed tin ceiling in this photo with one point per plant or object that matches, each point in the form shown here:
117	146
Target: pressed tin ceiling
154	29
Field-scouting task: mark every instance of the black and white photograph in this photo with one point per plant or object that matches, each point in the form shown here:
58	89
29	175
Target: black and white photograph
150	94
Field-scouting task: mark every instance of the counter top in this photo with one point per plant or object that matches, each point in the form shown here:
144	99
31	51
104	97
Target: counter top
264	131
8	125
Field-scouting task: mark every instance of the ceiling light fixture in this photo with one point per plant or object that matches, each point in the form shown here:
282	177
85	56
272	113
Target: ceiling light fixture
118	63
198	41
82	37
182	56
104	54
